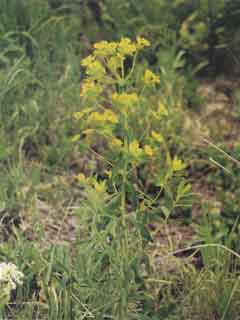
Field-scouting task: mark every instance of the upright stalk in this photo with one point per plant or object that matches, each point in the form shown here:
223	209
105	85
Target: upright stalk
123	307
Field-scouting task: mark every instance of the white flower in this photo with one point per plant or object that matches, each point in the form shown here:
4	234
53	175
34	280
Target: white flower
10	276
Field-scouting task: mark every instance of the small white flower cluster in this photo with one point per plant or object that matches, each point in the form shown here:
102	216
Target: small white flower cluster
10	276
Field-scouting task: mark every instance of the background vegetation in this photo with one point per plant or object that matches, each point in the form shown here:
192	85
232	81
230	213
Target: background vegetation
92	242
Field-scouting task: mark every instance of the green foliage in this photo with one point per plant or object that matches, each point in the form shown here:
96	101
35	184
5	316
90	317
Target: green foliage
111	155
207	30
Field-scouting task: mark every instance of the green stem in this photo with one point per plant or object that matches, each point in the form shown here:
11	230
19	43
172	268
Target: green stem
123	197
122	312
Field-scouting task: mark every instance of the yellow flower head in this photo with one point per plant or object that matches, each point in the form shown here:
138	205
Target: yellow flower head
82	178
150	78
106	116
104	48
142	42
90	88
88	61
96	117
114	63
134	149
79	114
96	70
100	187
177	164
161	111
125	100
108	173
126	47
110	116
157	136
148	150
116	143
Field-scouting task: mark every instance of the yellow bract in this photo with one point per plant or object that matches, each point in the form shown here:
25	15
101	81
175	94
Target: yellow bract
126	47
90	88
148	150
100	187
108	173
125	100
134	149
114	63
142	42
110	116
177	164
96	70
106	116
104	48
115	142
161	111
150	78
79	114
123	48
82	178
88	61
157	136
96	117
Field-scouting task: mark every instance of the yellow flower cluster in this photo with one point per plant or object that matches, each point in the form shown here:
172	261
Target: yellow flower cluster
149	150
108	56
150	78
116	143
90	88
122	48
79	114
96	70
142	42
81	178
100	187
126	47
161	111
114	63
157	136
88	61
125	99
177	164
136	151
106	116
104	48
119	113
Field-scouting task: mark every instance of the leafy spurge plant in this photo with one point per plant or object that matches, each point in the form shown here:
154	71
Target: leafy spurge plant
120	122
